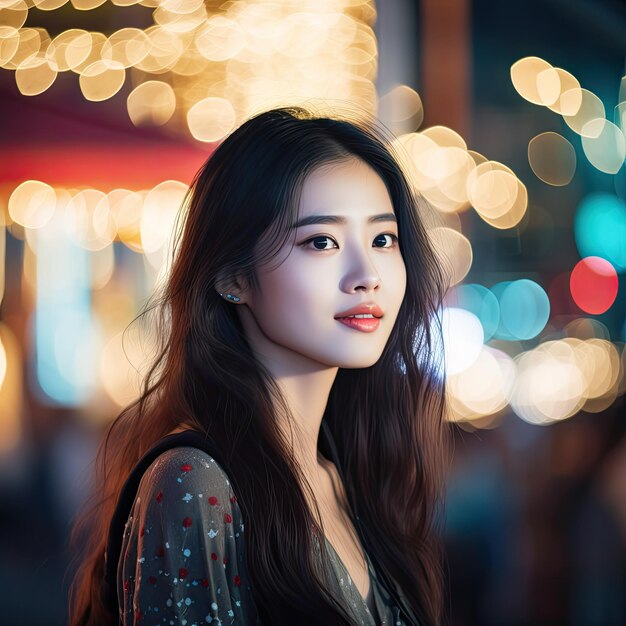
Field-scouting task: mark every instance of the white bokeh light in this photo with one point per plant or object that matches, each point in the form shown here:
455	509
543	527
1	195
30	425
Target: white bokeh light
463	339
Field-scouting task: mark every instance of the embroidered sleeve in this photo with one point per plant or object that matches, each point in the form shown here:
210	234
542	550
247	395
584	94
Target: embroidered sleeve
182	560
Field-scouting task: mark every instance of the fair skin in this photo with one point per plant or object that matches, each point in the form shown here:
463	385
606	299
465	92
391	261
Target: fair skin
290	321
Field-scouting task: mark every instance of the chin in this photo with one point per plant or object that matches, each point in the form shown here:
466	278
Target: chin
358	363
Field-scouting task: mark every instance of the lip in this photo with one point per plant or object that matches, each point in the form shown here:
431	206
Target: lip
365	325
366	307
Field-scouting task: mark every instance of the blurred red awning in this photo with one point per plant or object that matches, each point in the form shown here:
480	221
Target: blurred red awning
102	166
62	139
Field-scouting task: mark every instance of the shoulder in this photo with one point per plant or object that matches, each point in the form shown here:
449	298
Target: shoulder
183	552
185	475
186	464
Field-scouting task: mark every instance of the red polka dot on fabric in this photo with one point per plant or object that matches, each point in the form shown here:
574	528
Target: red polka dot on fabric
159	497
182	572
225	560
186	467
214	556
227	518
233	499
160	551
237	580
187	522
205	583
212	500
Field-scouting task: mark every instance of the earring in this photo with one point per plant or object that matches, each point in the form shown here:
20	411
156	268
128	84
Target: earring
231	297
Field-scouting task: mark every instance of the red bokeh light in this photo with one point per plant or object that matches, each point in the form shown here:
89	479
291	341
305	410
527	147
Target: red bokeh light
594	284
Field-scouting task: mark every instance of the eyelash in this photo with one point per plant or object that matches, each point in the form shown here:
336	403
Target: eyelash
393	237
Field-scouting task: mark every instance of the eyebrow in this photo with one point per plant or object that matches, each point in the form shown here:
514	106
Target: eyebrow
340	219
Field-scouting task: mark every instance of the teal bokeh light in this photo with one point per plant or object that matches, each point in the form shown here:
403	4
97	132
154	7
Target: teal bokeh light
480	301
524	309
600	228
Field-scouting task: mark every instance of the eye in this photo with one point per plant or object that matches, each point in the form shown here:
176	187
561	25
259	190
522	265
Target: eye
394	240
318	238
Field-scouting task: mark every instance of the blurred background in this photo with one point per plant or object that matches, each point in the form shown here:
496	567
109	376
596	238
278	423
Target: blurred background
509	118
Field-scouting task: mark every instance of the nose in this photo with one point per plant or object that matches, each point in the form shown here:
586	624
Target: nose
362	274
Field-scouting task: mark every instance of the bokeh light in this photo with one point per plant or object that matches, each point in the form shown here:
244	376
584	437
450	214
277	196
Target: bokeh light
69	45
126	208
483	388
14	13
125	47
35	75
160	208
594	285
524	309
587	109
604	145
88	219
437	164
85	51
243	55
480	301
600	228
552	158
462	335
32	204
554	79
524	75
221	38
152	102
211	119
498	196
549	385
402	108
599	361
454	251
21	45
587	328
102	79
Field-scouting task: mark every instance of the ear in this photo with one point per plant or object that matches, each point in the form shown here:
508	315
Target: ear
227	283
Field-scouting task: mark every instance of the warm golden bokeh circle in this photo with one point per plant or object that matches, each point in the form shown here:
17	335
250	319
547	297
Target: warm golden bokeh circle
249	55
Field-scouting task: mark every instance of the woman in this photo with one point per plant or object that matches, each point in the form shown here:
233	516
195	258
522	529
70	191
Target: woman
293	222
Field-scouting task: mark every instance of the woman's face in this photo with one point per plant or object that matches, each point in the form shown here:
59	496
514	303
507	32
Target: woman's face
332	267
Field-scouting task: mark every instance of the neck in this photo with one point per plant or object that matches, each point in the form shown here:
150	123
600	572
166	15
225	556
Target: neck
306	395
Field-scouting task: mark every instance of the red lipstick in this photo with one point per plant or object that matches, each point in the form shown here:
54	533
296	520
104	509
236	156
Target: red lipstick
364	324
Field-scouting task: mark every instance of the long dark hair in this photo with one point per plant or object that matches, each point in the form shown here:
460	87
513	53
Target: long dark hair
393	447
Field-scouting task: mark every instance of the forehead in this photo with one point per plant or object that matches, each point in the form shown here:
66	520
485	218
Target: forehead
351	186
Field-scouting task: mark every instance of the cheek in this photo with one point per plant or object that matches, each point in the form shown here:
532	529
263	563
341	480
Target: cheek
396	272
399	282
289	297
